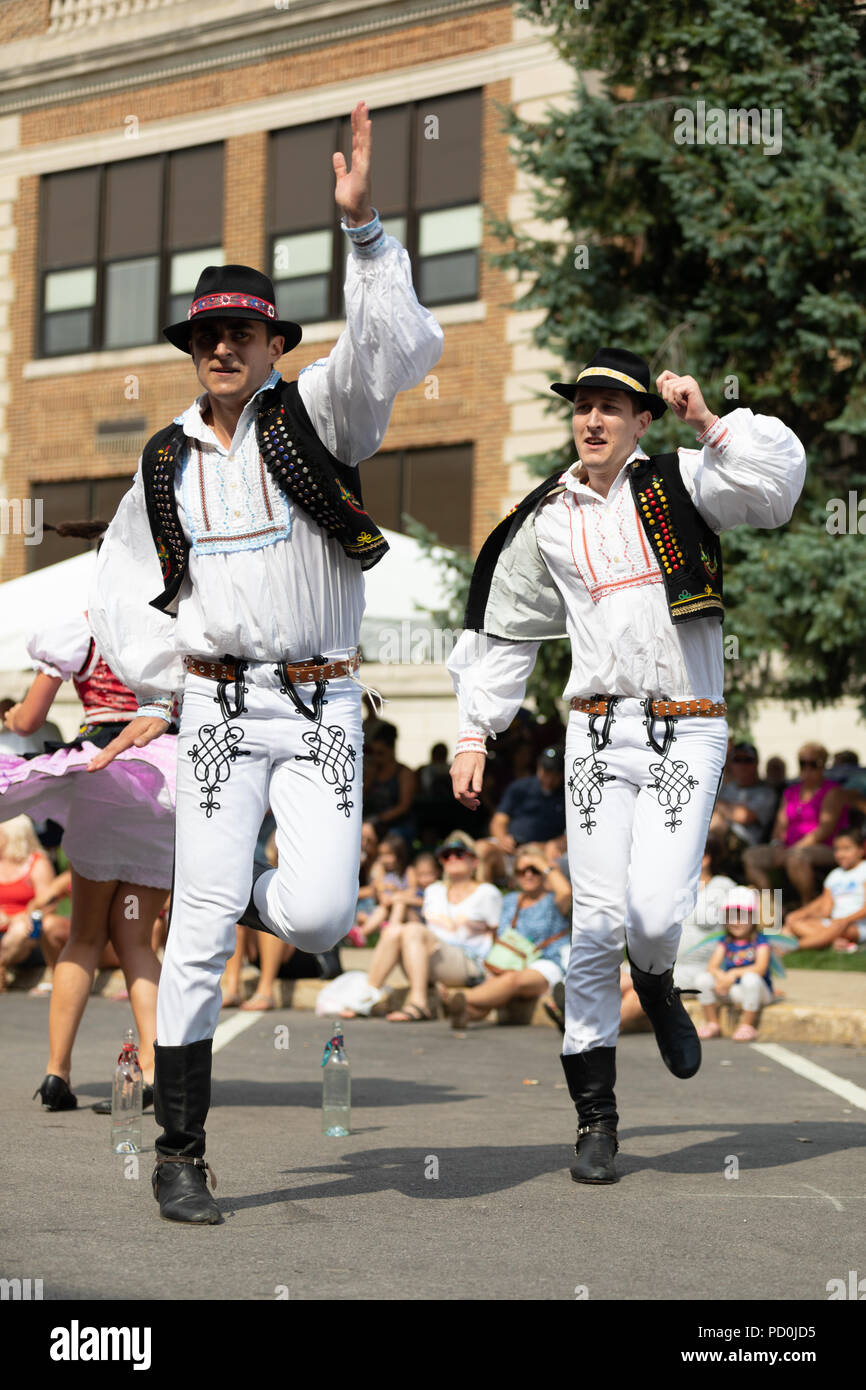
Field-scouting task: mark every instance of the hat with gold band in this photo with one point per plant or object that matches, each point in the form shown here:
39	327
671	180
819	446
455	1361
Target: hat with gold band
621	370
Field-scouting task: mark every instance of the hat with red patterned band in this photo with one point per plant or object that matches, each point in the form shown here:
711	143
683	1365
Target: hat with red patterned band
233	292
624	371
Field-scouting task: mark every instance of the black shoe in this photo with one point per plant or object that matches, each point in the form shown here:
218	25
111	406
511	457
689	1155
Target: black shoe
329	964
103	1107
595	1150
676	1036
251	916
55	1094
591	1078
181	1086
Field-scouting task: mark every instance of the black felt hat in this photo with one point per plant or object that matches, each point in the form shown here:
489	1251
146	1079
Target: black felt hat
624	371
233	292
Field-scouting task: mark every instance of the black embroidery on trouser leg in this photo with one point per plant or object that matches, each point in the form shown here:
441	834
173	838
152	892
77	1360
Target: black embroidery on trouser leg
335	756
330	748
589	774
672	781
218	747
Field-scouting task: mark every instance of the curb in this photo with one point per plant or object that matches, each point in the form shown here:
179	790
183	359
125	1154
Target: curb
781	1022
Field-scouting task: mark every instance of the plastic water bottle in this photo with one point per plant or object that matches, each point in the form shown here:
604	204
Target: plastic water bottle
35	924
126	1099
336	1087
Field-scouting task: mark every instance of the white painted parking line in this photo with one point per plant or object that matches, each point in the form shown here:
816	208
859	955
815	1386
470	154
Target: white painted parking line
855	1095
232	1026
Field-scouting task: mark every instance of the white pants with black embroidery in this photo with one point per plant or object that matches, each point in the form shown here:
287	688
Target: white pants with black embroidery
637	815
235	759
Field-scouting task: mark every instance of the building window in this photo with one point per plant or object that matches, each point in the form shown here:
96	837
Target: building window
83	499
433	486
427	192
122	246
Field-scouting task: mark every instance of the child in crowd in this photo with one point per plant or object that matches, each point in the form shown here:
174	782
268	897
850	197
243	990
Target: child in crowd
390	875
738	970
837	917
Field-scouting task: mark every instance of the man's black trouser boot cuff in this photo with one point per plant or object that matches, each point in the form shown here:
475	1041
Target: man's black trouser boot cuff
591	1078
181	1102
676	1035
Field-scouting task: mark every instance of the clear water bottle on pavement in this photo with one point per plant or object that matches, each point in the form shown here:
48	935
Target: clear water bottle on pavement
126	1099
336	1087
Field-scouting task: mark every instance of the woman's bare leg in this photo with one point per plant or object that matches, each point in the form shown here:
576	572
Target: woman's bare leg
133	909
75	968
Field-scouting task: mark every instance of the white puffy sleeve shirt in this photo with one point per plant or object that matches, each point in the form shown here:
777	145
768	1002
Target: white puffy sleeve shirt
297	594
750	470
61	649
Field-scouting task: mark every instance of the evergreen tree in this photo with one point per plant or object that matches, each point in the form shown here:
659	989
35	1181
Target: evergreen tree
731	248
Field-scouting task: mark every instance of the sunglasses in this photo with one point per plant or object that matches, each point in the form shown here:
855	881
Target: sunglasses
741	759
456	854
528	869
809	762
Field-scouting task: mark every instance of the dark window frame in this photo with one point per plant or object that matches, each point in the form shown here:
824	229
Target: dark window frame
413	453
92	482
411	212
102	262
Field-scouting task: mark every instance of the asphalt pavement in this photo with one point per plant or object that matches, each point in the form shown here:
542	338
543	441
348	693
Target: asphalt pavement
745	1183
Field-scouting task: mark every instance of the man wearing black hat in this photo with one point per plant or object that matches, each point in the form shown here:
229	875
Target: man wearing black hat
232	573
621	554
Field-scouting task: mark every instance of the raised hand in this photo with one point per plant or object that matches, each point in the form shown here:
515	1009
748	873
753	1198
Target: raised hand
352	193
683	395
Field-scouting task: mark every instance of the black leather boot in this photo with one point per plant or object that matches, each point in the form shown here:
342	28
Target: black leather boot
676	1036
251	916
591	1078
181	1086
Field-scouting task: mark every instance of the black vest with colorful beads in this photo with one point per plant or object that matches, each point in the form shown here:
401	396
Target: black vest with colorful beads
300	465
688	550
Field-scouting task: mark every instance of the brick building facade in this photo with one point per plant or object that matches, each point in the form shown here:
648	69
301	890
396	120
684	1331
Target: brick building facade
107	106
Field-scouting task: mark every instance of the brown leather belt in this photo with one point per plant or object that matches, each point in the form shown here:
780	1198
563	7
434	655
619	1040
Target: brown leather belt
299	674
707	709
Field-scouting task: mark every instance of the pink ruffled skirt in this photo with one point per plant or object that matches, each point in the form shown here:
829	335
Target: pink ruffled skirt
118	823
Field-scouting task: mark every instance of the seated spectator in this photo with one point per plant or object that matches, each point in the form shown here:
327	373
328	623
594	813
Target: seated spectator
26	875
460	915
837	917
433	778
533	808
706	918
391	874
738	970
389	786
746	807
776	774
812	810
847	772
369	851
540	912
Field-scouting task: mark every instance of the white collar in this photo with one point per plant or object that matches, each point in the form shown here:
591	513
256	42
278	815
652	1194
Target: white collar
194	426
573	483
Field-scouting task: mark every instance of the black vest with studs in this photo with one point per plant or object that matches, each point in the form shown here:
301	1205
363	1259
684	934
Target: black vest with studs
688	550
300	465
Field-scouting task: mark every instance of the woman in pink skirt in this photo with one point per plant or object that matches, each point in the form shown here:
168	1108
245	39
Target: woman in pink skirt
119	836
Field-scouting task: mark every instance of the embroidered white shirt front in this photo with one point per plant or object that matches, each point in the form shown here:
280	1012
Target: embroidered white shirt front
229	500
